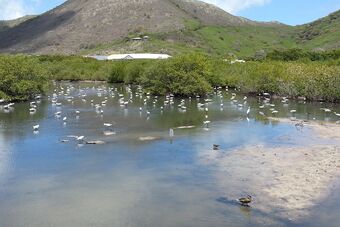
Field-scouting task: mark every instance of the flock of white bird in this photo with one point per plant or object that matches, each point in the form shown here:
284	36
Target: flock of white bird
125	98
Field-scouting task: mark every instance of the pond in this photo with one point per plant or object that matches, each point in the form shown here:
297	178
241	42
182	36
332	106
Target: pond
139	174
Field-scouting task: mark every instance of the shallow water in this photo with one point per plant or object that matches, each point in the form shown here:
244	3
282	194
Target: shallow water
161	181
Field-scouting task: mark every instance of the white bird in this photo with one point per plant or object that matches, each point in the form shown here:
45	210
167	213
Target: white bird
293	111
206	123
248	111
108	124
36	127
77	137
171	132
80	137
326	110
65	119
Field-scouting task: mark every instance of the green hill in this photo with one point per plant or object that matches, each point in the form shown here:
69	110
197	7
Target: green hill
173	26
242	41
214	40
7	24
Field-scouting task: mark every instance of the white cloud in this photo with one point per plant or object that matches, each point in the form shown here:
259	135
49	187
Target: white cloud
11	9
234	6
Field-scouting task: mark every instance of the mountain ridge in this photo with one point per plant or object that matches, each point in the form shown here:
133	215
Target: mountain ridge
78	26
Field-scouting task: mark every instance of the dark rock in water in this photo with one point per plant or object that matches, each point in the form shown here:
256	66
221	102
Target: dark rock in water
95	142
216	147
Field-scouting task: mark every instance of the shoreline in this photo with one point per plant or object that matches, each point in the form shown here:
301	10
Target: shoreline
249	94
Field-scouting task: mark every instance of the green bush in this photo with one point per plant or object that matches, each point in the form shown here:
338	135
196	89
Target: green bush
299	54
314	80
75	68
184	76
21	77
134	70
117	74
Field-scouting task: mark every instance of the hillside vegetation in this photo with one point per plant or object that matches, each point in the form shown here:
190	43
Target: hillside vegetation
241	41
323	33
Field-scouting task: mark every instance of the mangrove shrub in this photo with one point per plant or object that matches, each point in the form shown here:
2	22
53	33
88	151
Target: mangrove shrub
21	77
184	75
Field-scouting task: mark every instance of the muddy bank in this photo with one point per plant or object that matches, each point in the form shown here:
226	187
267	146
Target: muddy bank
321	129
286	181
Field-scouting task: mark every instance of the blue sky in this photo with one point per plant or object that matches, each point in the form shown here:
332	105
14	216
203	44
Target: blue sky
291	12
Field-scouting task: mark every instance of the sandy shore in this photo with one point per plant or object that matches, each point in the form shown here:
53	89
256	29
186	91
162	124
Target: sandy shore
322	129
285	181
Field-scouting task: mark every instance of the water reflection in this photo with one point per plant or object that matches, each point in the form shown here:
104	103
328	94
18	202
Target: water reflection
5	157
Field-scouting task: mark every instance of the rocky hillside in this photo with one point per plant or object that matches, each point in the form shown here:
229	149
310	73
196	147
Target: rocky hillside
83	23
107	26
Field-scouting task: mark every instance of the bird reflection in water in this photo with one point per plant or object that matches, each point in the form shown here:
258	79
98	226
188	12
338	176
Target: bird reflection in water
245	209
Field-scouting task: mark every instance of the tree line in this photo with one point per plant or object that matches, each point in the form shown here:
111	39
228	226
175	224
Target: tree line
286	73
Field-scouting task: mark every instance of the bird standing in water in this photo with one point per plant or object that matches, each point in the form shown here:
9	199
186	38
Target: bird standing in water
36	127
171	132
245	201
